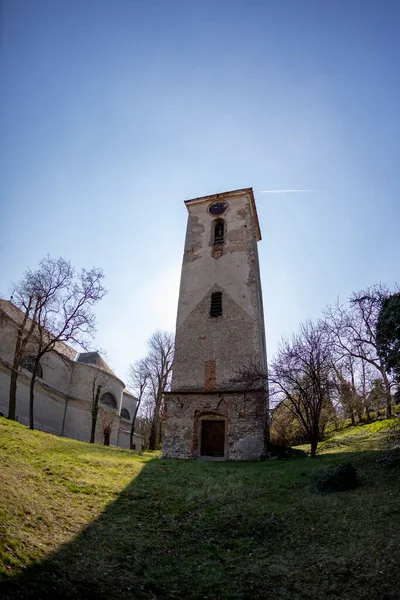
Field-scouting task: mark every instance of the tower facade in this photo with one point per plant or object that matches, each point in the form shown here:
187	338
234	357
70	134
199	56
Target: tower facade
219	334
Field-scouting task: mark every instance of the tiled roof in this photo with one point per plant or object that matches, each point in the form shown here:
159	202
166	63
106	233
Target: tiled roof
94	358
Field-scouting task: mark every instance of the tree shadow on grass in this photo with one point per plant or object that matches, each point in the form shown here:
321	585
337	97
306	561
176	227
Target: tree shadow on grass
186	529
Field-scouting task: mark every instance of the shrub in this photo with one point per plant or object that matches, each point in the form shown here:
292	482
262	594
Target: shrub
344	477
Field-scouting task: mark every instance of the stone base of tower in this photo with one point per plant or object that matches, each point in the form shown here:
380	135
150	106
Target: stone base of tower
228	425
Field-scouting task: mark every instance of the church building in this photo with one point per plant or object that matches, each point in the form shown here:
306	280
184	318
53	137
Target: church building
209	412
65	388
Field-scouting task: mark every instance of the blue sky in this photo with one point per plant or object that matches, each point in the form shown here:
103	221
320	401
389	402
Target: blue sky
113	112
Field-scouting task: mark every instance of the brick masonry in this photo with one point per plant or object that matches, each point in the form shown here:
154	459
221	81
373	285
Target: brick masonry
211	351
244	412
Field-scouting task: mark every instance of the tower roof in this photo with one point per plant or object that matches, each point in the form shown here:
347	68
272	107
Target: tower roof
224	195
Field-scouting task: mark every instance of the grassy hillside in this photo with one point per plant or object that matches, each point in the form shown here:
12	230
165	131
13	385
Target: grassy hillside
103	523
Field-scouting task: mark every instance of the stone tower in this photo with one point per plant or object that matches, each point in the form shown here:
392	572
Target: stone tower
219	332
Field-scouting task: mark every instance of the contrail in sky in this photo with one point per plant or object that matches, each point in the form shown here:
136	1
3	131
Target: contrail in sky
287	191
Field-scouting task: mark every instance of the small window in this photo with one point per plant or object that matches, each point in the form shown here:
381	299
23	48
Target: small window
125	414
216	304
109	400
219	232
28	362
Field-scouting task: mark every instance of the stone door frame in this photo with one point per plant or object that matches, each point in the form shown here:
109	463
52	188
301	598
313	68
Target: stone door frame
210	416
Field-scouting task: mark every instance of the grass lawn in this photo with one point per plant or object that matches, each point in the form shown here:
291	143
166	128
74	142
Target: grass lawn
85	521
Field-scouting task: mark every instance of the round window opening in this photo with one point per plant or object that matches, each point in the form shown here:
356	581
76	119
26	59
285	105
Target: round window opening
217	208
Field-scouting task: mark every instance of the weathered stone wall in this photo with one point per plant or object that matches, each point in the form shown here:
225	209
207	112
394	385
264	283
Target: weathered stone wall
210	352
244	412
237	338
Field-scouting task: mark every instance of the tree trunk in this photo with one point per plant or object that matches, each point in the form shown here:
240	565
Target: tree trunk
314	445
32	393
153	434
12	406
388	396
353	422
133	426
160	433
155	422
95	411
19	348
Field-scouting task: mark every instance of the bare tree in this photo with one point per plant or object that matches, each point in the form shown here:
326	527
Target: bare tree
150	378
144	419
30	306
284	427
62	302
301	376
159	362
349	398
352	328
138	379
377	396
108	422
99	381
253	377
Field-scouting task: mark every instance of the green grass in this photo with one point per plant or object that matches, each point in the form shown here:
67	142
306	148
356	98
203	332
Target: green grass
370	436
84	521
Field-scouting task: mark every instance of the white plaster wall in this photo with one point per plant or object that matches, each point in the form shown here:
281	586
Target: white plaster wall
56	372
63	396
4	391
129	402
83	376
77	422
7	337
48	411
123	439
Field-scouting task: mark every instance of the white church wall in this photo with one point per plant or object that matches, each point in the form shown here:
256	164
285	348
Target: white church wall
48	411
77	421
4	389
56	372
63	396
129	402
8	337
85	375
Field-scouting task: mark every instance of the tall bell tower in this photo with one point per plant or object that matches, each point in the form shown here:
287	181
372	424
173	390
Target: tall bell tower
219	333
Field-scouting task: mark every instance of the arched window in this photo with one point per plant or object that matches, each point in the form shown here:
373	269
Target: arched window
28	362
125	414
219	232
216	304
108	400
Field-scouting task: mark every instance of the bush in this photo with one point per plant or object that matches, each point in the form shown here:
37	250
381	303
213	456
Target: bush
284	452
390	459
393	435
344	477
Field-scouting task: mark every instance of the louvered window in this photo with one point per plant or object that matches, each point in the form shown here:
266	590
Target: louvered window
216	304
219	232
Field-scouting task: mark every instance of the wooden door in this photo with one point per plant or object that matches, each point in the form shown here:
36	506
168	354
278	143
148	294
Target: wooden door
212	438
